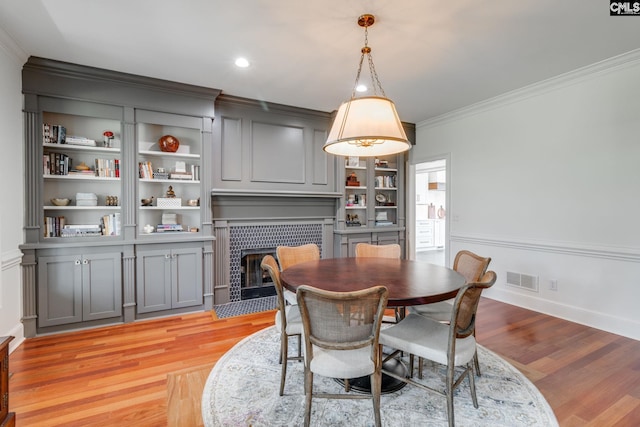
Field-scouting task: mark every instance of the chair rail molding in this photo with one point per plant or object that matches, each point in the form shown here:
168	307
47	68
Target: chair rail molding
567	248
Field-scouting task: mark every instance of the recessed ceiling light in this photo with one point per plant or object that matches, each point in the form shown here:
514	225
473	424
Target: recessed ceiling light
361	88
242	63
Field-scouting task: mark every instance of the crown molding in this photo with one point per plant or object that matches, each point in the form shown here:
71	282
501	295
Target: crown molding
12	49
618	62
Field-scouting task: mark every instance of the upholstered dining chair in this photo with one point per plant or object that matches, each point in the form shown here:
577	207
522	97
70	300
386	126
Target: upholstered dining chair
341	331
472	267
380	251
288	320
451	344
292	255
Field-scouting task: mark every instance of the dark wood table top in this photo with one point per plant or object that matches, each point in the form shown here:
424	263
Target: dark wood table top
408	282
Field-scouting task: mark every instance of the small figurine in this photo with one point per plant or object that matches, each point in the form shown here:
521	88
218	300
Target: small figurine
147	202
170	193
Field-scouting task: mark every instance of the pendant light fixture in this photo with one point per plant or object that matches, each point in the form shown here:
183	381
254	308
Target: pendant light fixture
367	126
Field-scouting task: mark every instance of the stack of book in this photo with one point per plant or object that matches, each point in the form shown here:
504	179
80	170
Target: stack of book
161	228
77	230
80	140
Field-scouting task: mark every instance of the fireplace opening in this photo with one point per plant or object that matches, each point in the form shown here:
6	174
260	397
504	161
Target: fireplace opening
254	282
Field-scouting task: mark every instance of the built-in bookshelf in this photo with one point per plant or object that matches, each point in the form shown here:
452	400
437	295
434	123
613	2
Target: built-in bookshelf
169	183
81	186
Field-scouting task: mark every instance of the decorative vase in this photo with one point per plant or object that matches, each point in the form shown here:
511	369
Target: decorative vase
169	144
441	212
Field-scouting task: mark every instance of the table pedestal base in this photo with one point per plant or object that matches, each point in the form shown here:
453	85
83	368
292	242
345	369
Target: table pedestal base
389	384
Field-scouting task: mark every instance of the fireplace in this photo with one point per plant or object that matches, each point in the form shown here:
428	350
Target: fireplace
254	223
255	282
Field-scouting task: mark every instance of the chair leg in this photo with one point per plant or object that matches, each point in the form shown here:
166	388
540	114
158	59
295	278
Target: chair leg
449	393
472	385
376	386
308	391
284	352
476	363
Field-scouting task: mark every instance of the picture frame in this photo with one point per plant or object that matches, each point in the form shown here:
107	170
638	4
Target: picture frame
353	161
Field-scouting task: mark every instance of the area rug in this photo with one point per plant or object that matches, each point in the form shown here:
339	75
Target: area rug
242	390
238	308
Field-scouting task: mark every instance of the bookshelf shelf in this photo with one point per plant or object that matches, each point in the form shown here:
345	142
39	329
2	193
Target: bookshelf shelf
169	155
81	208
80	178
71	147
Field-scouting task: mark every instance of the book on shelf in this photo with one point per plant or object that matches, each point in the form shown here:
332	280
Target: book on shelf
111	224
53	134
181	176
161	228
80	140
53	226
109	168
145	170
56	164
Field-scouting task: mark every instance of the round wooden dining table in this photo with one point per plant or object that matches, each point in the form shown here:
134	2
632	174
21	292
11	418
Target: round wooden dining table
408	282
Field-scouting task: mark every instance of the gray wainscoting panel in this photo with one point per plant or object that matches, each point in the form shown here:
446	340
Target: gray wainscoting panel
277	153
231	149
320	158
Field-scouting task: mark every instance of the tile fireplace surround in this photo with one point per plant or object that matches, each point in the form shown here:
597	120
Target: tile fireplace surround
255	220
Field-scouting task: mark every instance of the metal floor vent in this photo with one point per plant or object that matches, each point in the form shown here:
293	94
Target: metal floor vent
523	281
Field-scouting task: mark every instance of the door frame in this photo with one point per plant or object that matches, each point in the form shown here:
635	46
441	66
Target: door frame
411	203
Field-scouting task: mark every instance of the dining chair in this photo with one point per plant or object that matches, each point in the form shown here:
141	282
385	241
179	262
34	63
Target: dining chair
292	255
452	344
472	267
380	251
367	250
341	331
288	320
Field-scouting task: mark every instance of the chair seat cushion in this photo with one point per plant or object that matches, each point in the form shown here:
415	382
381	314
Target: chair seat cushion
427	338
290	297
342	363
440	311
294	320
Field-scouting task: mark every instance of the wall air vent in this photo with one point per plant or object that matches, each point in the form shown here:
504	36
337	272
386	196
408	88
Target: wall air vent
522	281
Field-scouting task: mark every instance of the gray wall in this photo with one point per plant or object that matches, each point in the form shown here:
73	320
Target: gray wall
11	176
545	180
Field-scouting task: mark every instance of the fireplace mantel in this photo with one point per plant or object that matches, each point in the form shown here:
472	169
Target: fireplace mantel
224	192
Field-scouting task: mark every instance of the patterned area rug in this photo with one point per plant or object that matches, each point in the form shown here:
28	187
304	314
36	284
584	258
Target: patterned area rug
242	390
248	306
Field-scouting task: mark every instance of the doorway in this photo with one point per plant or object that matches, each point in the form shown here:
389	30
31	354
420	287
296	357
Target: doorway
430	236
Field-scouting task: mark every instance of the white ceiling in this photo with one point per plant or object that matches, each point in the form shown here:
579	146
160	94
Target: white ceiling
432	56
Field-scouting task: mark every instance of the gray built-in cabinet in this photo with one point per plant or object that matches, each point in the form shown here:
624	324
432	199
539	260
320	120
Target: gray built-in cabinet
102	258
168	278
240	161
79	287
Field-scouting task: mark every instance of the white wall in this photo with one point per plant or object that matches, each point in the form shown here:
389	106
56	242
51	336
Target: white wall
546	181
12	182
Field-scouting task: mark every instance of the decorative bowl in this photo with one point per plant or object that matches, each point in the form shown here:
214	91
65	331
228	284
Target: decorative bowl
169	144
60	202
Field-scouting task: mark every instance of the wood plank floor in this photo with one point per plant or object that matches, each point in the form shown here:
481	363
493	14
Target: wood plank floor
119	375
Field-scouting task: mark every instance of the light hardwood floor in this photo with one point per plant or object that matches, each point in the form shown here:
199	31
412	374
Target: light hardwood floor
118	376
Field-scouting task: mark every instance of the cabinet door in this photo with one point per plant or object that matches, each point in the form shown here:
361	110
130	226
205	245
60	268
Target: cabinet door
153	284
102	286
187	277
59	290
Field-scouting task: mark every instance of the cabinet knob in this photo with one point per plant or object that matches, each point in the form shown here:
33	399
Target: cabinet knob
77	262
167	256
85	261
